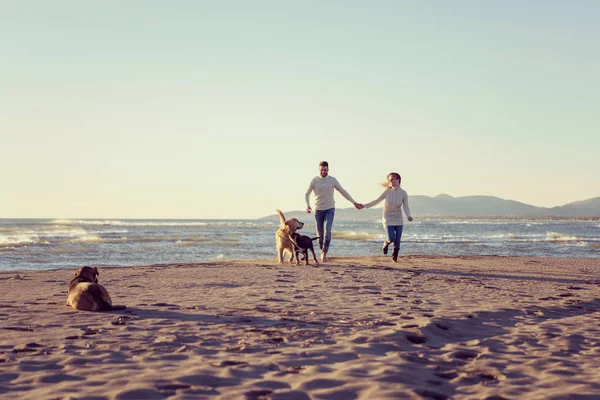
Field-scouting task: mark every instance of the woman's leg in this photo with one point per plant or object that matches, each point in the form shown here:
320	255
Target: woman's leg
397	235
390	232
398	230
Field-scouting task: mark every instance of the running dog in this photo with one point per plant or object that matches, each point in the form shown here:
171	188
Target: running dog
282	236
302	244
86	294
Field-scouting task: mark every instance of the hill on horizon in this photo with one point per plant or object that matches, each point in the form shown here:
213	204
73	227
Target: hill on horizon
444	205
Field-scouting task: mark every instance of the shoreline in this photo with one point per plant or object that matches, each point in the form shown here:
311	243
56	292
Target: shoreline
355	327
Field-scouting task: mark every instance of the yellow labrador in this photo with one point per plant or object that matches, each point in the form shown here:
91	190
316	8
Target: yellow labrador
282	236
86	294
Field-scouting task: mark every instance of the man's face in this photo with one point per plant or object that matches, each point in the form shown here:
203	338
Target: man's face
323	171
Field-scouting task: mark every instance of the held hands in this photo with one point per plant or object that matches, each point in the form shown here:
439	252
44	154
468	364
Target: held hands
359	206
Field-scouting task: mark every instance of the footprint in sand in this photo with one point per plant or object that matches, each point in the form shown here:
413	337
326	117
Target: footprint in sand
58	378
568	294
416	337
257	394
170	389
449	375
430	394
27	348
465	354
322	384
442	326
142	393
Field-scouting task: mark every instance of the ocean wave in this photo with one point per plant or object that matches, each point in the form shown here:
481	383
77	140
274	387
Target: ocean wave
487	222
560	237
107	222
351	235
87	238
441	240
192	241
6	240
122	223
20	240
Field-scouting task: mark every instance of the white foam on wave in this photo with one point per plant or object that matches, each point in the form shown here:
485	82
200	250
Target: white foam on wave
116	222
560	237
353	235
10	240
108	222
41	236
88	238
486	222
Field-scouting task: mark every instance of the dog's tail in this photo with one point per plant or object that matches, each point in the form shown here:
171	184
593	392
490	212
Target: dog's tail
315	238
281	217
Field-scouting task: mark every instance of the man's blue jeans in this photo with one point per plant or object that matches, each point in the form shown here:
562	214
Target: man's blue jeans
394	234
324	222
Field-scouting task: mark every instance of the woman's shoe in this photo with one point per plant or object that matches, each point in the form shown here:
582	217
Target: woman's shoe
395	255
385	247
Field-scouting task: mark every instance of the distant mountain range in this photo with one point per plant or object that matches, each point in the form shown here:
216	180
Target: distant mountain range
444	206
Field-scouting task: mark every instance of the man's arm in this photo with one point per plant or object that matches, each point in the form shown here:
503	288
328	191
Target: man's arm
311	187
343	192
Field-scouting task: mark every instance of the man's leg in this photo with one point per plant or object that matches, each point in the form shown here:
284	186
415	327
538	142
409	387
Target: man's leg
329	214
320	223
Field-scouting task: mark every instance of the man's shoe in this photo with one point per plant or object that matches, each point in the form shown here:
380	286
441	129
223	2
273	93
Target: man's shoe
385	247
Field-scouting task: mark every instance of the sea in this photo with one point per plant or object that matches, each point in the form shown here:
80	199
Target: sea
41	244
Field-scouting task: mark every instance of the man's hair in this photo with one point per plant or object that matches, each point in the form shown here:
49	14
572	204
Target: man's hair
324	164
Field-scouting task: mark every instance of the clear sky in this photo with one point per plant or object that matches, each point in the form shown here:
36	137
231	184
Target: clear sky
223	109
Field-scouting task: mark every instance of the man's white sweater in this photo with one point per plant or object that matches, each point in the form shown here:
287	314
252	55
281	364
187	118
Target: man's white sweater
323	188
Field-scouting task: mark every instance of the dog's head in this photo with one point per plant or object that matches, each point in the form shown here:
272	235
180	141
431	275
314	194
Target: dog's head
293	224
88	274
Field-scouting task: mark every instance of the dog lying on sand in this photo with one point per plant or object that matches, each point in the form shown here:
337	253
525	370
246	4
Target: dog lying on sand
282	236
302	244
86	294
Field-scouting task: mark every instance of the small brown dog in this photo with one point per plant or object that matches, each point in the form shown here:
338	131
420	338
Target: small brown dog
282	236
86	294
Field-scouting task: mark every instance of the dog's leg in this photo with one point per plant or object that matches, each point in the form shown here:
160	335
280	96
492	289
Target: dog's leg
294	250
314	256
280	255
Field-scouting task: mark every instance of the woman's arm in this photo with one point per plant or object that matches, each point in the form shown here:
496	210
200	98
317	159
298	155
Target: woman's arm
376	201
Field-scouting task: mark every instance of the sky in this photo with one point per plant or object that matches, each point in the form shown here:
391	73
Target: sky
224	109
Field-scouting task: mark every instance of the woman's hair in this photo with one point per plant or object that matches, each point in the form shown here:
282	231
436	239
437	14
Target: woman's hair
387	183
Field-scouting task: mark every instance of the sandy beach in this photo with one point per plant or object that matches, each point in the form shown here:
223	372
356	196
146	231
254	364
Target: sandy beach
354	328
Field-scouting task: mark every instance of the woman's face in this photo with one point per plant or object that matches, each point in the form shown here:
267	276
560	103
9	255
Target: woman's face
394	180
